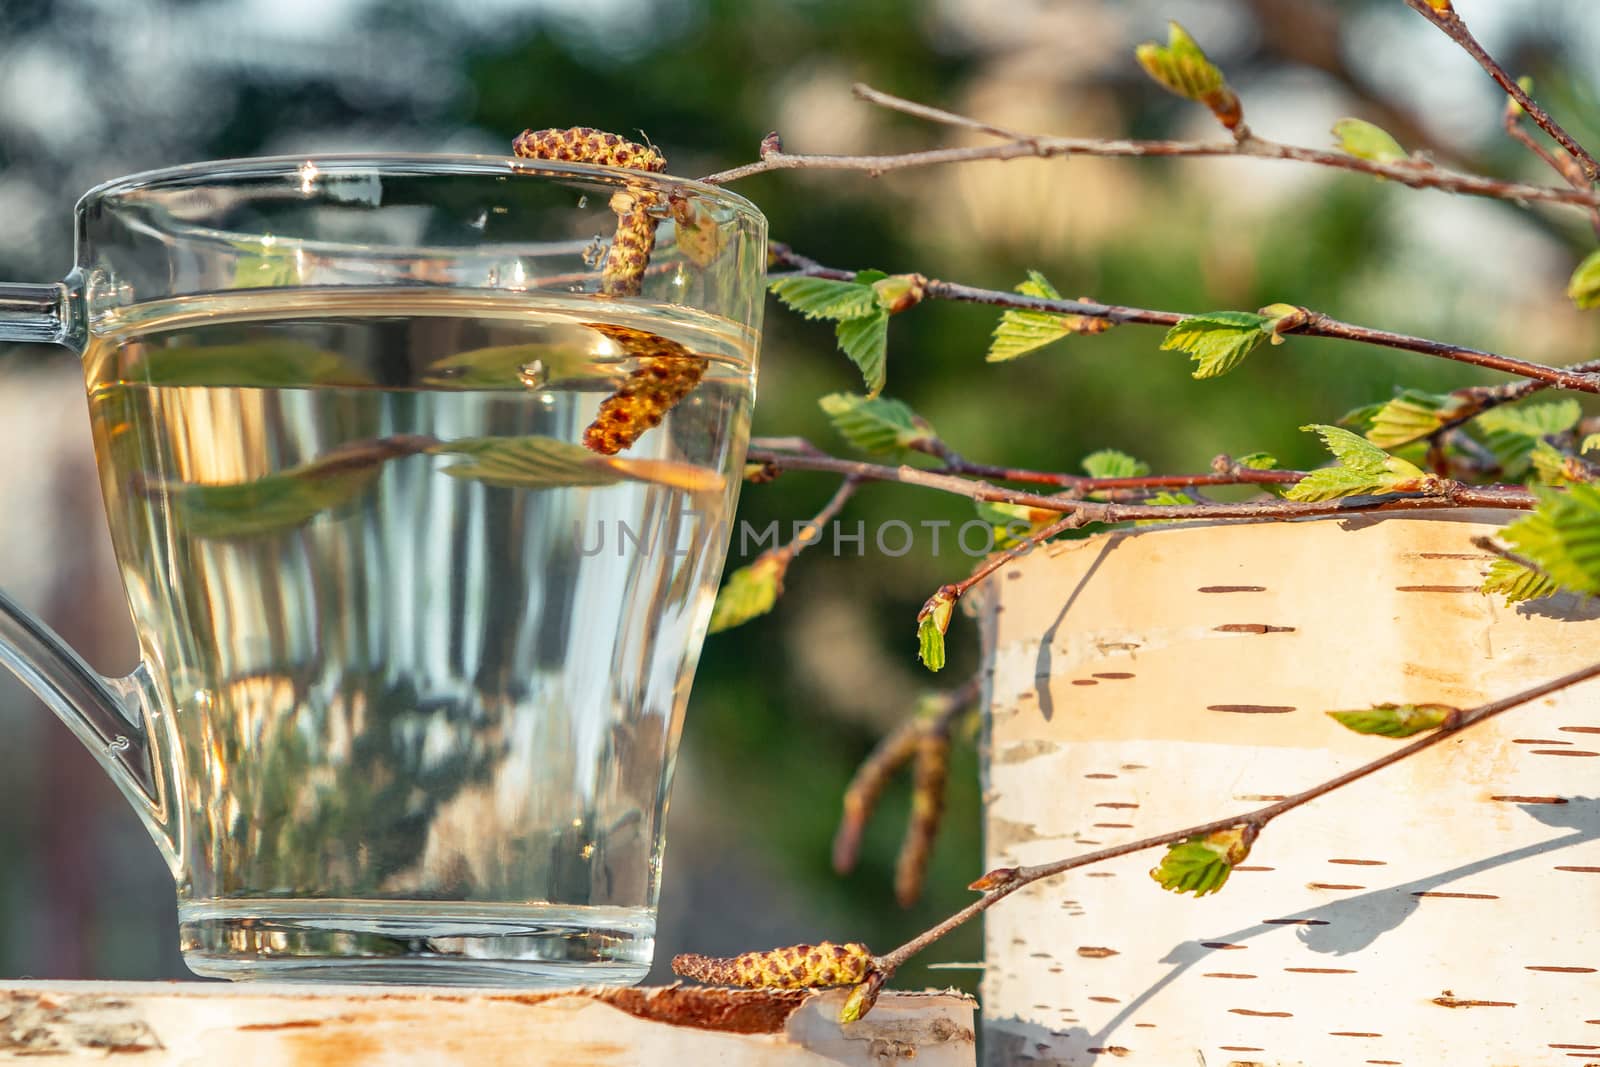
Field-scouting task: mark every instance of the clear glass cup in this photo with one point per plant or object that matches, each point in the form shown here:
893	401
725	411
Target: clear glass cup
415	658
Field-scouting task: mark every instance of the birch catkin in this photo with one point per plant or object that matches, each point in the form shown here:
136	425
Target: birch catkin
623	270
794	967
666	372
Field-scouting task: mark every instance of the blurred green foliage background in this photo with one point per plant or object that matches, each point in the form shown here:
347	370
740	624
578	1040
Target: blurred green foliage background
783	708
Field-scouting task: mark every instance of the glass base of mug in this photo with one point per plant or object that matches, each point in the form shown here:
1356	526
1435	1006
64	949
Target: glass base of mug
417	942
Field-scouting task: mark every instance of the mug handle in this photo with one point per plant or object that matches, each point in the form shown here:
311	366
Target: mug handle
115	718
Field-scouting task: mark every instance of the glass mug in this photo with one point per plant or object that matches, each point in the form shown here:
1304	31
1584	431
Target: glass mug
414	660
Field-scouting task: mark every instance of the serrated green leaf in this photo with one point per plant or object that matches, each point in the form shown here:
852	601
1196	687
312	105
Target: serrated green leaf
1109	463
535	462
530	366
1394	720
1534	420
875	424
1365	141
825	298
1410	415
866	342
1360	419
249	365
1353	452
1561	537
1020	332
1551	466
1258	461
1589	443
1516	582
1180	67
1218	341
931	626
1201	865
1584	286
1363	468
1334	483
1512	433
870	277
1013	523
285	500
750	591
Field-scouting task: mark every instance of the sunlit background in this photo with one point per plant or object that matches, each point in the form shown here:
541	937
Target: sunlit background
784	707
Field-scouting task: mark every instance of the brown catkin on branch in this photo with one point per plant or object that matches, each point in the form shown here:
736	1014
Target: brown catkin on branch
931	772
794	967
623	270
666	372
866	788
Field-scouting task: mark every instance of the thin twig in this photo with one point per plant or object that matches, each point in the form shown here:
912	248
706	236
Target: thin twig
1566	166
863	91
1448	20
811	532
1007	882
1311	324
1418	174
1448	494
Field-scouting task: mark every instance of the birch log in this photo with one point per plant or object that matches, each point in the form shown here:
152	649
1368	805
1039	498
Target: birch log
202	1025
1445	910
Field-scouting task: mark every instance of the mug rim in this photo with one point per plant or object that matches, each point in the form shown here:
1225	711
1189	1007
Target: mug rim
408	164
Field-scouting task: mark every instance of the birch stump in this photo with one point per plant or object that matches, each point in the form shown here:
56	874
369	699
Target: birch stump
1444	910
150	1024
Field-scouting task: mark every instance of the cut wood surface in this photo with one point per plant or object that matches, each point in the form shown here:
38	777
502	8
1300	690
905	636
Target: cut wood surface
215	1025
1444	910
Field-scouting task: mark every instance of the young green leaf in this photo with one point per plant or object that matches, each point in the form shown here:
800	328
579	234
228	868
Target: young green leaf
825	298
1109	463
899	292
1218	341
1201	865
283	501
1589	443
1355	453
749	592
530	366
875	425
1013	523
1167	499
932	622
1551	466
1181	67
1395	720
1258	461
1363	468
249	365
862	997
1365	141
1020	332
1561	537
866	341
1584	286
1512	433
1409	416
1516	582
1533	420
535	462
